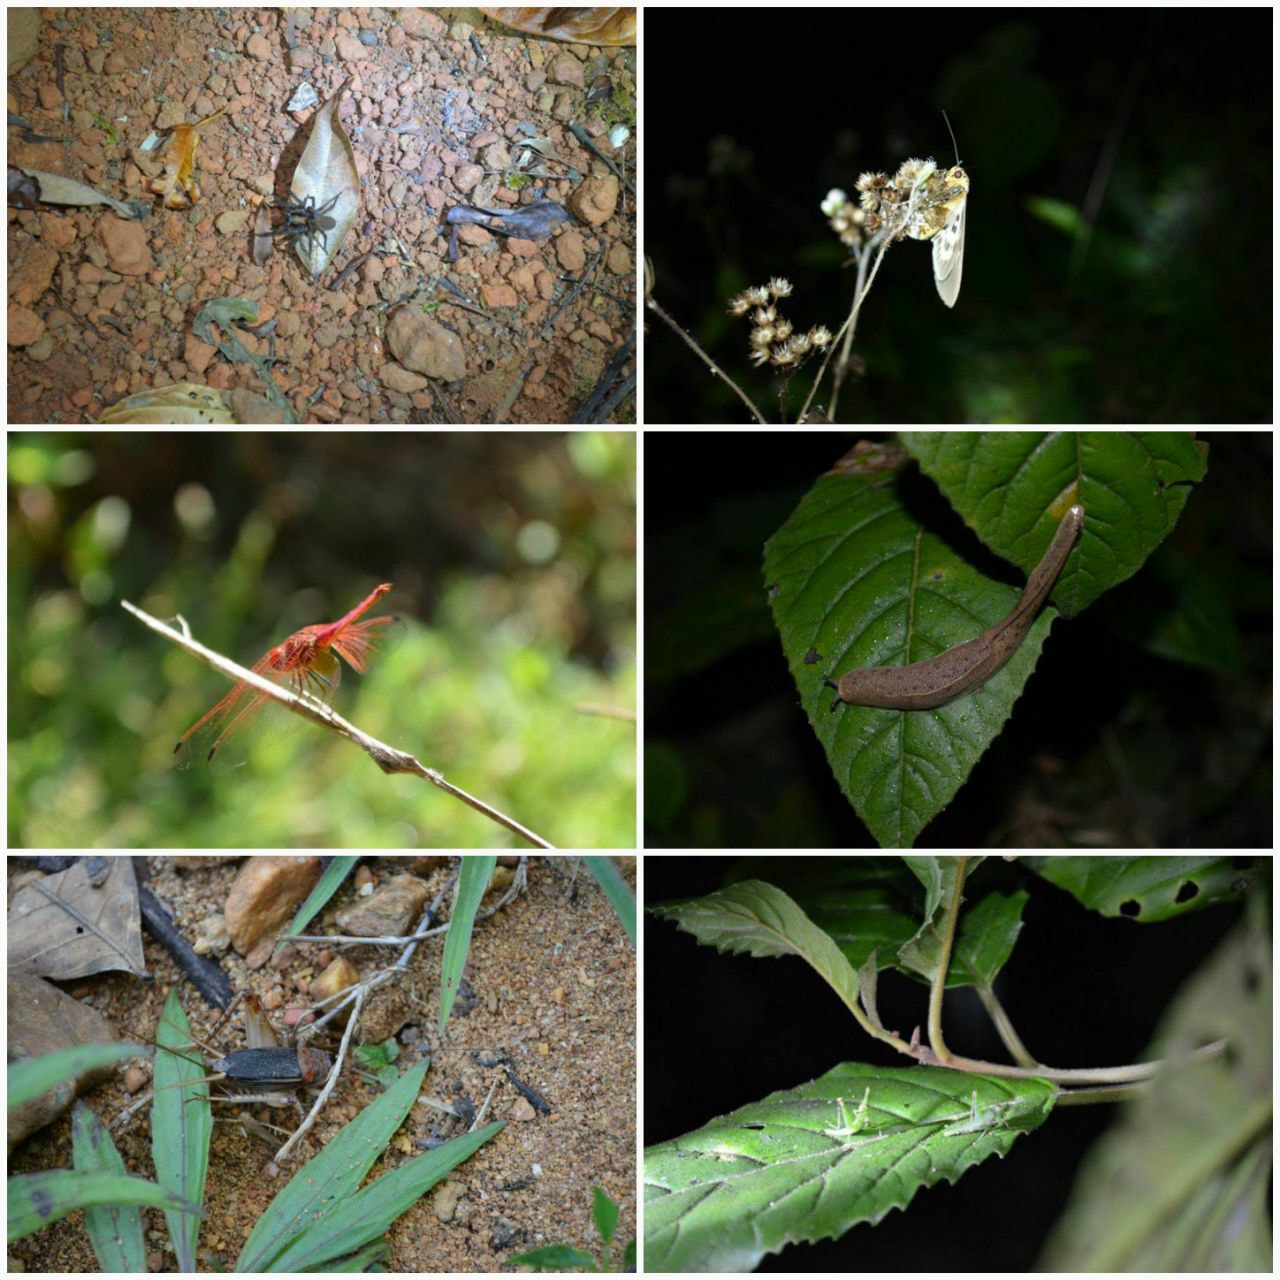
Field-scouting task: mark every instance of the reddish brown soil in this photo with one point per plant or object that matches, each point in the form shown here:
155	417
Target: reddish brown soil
101	308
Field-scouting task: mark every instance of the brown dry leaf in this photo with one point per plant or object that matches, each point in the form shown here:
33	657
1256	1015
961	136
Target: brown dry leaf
327	169
80	921
262	242
180	404
580	26
178	184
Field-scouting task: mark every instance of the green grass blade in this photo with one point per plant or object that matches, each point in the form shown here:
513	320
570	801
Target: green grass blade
355	1220
473	880
555	1257
331	1176
115	1232
31	1077
181	1125
362	1259
37	1199
616	890
329	883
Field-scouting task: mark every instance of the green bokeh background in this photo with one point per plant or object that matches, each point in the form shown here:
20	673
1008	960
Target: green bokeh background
513	560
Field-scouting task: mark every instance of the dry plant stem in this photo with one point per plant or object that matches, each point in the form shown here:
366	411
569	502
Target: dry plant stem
517	885
389	759
846	347
847	330
609	713
657	310
318	1105
480	1115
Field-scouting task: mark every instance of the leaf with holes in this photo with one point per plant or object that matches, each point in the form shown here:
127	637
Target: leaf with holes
1147	888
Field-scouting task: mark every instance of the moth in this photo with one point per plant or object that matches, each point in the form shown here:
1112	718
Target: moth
936	212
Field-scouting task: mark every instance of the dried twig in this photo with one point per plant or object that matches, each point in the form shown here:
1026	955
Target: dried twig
389	759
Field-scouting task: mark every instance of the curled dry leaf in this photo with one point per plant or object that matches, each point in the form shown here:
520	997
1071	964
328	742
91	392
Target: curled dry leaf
325	190
189	403
580	26
527	222
53	188
262	242
178	183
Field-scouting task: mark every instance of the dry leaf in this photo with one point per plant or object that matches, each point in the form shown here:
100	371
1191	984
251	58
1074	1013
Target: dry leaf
80	921
178	184
327	176
580	26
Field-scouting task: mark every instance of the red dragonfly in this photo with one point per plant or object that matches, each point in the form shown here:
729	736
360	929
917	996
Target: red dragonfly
307	662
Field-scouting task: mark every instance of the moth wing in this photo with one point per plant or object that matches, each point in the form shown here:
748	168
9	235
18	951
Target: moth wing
948	257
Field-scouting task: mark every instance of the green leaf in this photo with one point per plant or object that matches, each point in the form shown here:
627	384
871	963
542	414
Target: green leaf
555	1257
30	1077
181	1125
872	905
331	880
115	1232
354	1220
1146	889
605	1213
473	879
616	890
855	580
807	1164
37	1199
756	919
331	1176
1133	484
1180	1182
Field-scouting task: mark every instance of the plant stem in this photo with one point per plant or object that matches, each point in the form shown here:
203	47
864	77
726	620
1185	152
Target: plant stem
1070	1075
939	988
1012	1041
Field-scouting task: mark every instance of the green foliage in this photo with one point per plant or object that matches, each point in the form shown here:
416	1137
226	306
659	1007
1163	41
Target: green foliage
473	879
379	1060
1145	889
615	888
807	1164
564	1257
264	534
30	1077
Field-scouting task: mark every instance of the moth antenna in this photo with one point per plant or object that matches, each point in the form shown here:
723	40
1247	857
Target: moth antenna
953	137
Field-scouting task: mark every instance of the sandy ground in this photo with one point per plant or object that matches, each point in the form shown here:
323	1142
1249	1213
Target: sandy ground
554	980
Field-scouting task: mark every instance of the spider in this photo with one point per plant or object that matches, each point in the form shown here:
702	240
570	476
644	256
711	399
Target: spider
303	221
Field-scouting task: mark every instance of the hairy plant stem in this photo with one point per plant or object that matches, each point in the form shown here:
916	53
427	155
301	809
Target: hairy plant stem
938	1055
939	988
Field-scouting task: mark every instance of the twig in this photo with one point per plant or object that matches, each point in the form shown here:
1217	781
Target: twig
518	883
484	1106
328	1084
208	978
609	713
585	138
389	759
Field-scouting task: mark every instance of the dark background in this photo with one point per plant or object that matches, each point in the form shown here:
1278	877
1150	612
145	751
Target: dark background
1145	133
1081	990
1107	743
